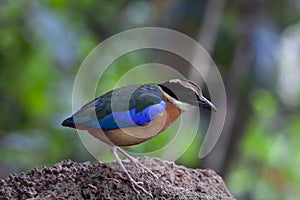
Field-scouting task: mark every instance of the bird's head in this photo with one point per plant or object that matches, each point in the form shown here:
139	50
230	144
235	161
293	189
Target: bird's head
185	94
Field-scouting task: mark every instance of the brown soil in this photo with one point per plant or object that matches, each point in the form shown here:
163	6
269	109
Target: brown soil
71	180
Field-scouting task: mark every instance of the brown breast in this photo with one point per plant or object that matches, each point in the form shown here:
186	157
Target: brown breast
134	135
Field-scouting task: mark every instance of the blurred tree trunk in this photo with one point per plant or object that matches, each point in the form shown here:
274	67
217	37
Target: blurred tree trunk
238	104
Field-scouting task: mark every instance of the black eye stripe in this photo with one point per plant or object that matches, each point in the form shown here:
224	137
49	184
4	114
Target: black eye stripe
168	91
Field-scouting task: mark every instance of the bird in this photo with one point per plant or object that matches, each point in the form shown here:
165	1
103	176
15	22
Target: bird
136	113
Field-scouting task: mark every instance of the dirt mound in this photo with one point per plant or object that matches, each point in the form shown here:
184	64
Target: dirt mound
71	180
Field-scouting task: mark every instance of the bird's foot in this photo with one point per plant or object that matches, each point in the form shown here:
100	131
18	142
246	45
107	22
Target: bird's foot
137	163
137	186
134	184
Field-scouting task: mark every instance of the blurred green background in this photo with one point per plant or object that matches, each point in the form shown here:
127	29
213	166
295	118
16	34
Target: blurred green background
255	44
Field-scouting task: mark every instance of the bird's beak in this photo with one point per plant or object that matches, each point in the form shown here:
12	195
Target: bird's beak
204	103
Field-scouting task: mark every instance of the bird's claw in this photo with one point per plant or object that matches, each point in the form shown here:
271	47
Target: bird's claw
137	185
134	184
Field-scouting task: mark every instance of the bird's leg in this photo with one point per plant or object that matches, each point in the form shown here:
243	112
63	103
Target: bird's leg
136	162
134	184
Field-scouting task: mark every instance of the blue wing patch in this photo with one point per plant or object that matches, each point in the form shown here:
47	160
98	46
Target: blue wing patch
123	118
131	117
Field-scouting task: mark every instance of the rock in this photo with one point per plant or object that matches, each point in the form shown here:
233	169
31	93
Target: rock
71	180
